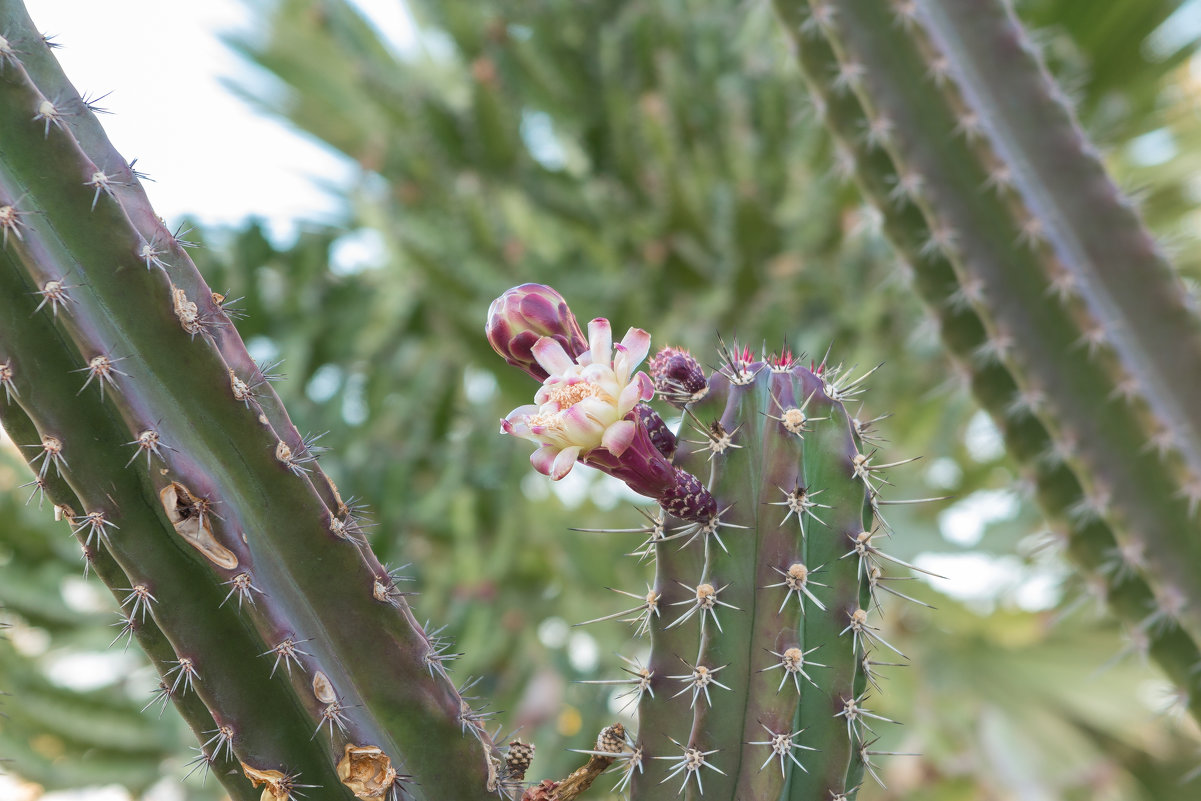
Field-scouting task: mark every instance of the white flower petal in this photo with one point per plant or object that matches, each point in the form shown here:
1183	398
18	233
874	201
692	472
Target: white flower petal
600	341
551	356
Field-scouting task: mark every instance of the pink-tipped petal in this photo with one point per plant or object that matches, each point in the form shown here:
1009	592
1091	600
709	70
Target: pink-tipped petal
564	462
619	436
630	395
637	344
647	385
516	421
543	460
551	356
600	341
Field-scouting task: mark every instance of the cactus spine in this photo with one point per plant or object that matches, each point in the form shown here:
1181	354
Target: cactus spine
762	614
1030	296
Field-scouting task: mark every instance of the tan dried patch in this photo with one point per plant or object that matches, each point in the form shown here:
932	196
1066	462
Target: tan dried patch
239	387
340	505
187	311
184	511
323	688
367	771
275	784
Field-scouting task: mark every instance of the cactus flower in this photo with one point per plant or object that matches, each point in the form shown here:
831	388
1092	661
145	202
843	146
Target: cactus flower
585	402
525	314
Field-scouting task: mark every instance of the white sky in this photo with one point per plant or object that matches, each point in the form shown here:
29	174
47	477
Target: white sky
210	154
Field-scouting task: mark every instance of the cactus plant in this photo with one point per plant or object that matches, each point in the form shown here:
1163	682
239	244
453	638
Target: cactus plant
222	543
1046	288
725	722
769	520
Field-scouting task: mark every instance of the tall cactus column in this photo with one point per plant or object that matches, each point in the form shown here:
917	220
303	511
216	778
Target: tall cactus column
766	548
166	449
1032	318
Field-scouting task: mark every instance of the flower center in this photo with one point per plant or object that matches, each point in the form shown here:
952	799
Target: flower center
567	395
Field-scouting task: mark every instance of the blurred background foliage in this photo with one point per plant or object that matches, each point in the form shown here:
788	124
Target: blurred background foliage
658	162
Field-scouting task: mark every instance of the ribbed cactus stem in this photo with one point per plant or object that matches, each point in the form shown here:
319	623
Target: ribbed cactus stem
866	140
283	621
1110	258
138	619
267	727
762	639
786	630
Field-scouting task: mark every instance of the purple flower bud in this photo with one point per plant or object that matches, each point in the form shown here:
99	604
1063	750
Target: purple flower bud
525	314
678	376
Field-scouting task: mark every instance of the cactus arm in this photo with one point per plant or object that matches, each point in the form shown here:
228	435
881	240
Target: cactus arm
1113	260
242	699
1027	320
760	540
1090	540
368	646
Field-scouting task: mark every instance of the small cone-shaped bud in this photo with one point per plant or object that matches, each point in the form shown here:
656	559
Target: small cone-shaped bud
656	429
612	739
678	376
519	758
525	314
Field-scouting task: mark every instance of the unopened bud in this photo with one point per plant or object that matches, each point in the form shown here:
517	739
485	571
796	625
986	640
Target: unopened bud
525	314
678	376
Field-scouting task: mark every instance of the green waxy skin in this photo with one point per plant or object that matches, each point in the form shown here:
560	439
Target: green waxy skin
974	289
149	636
752	462
269	732
365	674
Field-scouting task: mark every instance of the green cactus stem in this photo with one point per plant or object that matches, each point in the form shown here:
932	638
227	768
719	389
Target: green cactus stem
992	361
134	601
764	638
188	470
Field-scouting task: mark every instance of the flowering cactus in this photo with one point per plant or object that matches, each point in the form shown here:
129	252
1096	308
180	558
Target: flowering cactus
772	556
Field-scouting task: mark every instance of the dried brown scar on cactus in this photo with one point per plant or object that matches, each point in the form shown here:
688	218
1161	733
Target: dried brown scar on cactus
189	516
277	786
367	771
